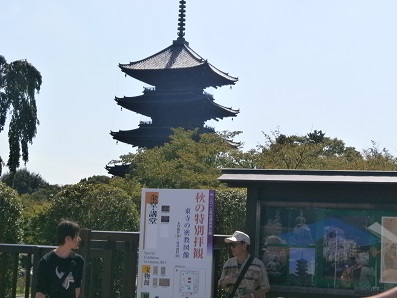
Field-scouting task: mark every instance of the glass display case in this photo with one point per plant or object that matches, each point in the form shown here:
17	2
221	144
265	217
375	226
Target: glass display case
329	247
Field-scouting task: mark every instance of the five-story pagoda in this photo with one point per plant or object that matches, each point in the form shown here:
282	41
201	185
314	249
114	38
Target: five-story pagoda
177	99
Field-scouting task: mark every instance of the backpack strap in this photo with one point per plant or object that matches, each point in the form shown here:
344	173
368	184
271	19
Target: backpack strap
240	277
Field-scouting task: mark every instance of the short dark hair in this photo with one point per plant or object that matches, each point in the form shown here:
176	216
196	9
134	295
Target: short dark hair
67	228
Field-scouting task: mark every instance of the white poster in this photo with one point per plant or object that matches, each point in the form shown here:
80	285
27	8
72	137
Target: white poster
176	243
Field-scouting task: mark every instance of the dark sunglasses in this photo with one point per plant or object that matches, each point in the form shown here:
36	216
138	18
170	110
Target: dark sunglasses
234	244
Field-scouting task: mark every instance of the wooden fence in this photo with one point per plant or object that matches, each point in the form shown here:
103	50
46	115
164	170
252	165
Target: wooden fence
112	265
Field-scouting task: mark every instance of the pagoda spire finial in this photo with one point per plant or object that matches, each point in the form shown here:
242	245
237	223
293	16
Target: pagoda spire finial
181	21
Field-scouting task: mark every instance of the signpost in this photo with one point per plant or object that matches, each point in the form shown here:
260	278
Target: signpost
175	244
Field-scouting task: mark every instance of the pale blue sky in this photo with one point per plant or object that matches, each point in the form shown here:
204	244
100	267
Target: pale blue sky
302	65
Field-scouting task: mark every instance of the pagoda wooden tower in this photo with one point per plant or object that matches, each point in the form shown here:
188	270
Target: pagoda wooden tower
177	99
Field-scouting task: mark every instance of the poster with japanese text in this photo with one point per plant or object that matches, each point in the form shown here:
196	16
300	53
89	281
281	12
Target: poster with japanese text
176	243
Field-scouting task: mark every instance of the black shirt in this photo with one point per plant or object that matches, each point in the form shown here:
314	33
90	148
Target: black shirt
51	269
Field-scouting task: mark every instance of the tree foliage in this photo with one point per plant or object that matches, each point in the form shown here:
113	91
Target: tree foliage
24	182
19	82
96	180
36	194
316	151
10	232
181	163
186	163
104	203
379	159
193	164
230	211
10	215
93	206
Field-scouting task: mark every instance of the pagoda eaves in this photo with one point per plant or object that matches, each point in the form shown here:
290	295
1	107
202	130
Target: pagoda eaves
177	65
149	136
190	106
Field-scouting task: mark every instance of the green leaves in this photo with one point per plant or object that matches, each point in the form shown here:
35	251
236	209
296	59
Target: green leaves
19	82
183	162
316	151
230	210
24	181
93	206
10	215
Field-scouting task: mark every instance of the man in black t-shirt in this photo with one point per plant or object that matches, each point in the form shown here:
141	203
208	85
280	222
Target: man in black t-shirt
51	280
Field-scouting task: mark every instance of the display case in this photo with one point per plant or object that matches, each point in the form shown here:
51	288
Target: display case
322	233
329	247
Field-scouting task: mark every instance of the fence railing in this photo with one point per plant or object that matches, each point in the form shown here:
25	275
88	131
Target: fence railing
111	266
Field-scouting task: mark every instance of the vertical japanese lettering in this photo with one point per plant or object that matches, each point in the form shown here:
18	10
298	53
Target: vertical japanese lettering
152	200
199	228
186	234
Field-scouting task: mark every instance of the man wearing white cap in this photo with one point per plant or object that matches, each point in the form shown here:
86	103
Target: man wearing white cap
243	275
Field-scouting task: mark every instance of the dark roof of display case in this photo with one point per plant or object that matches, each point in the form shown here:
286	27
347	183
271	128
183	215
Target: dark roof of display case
242	176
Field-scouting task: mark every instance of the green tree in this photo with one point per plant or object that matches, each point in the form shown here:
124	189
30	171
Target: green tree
379	159
24	182
316	151
33	205
10	215
188	163
230	210
96	180
183	162
36	194
19	82
10	232
93	206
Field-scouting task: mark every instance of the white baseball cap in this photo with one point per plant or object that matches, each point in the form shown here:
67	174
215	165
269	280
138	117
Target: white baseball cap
238	236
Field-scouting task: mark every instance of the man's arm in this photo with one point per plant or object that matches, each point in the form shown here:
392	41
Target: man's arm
79	277
227	280
42	279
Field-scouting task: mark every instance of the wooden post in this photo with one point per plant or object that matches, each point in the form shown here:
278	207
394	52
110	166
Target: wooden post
84	249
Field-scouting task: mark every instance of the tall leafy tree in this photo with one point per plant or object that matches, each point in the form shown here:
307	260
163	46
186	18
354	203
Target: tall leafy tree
316	151
10	215
188	163
311	151
98	206
19	83
183	162
10	232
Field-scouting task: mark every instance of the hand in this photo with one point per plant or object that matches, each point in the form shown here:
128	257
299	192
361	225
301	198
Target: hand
227	280
230	280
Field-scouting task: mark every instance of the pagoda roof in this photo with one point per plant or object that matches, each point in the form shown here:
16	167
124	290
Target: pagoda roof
177	65
149	136
197	104
118	170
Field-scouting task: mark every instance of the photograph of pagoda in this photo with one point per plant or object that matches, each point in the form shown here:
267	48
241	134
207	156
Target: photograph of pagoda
302	266
178	76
